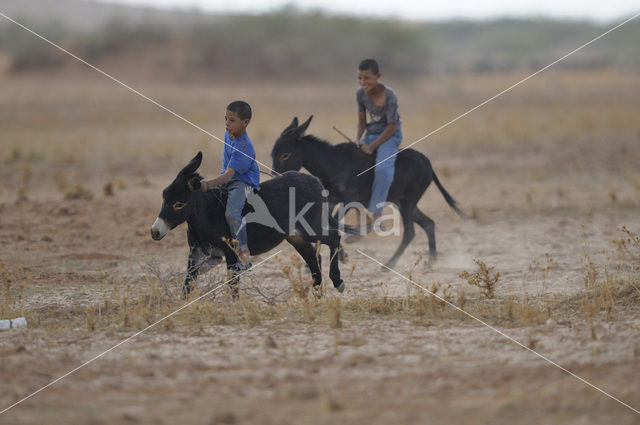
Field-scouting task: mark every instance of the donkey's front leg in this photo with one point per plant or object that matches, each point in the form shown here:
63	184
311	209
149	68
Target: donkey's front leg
232	272
193	265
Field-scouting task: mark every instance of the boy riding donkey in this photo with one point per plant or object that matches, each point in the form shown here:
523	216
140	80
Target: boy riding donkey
240	173
383	136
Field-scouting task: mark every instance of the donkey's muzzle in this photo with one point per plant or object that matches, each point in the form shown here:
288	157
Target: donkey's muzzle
159	229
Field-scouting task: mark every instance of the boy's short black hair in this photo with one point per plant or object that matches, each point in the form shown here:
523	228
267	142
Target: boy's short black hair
241	109
369	65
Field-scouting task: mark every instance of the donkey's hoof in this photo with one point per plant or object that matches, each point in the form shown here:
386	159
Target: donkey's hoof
343	256
389	266
341	287
235	294
186	290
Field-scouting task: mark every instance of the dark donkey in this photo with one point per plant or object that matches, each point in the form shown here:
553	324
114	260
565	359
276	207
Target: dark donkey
338	166
208	229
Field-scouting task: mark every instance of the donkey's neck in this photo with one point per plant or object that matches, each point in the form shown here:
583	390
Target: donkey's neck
319	159
207	216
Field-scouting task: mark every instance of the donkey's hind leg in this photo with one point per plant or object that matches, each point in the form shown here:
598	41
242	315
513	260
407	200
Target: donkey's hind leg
310	256
333	241
408	234
429	226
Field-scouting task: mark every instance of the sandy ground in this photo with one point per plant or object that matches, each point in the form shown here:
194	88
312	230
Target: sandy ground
540	209
375	372
372	370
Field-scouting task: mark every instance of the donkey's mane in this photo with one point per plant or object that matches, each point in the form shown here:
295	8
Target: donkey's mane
314	139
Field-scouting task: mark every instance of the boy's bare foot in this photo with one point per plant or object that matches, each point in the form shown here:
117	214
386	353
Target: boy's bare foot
243	263
373	224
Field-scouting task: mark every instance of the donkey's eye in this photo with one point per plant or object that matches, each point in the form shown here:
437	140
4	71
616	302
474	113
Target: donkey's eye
178	206
285	156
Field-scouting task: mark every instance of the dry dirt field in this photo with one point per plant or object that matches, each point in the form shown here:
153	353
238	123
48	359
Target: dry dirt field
548	174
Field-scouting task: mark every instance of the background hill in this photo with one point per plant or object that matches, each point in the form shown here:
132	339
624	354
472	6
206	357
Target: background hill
289	44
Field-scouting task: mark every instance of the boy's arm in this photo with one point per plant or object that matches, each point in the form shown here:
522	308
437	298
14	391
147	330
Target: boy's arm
383	137
362	122
221	179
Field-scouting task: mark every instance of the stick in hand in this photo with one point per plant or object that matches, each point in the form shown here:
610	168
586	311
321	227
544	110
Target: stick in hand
343	135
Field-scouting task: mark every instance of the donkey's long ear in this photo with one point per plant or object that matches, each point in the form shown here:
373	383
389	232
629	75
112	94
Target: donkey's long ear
192	166
292	126
300	130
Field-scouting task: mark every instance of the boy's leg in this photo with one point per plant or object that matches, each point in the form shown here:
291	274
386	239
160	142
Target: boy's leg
368	139
384	171
236	199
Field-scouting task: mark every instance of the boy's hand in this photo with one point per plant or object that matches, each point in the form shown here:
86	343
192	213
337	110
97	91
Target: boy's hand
196	184
366	148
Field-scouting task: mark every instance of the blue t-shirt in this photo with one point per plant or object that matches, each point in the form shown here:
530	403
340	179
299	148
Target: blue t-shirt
245	166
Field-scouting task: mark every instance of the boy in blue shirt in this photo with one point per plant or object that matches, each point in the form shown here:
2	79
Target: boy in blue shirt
383	131
240	173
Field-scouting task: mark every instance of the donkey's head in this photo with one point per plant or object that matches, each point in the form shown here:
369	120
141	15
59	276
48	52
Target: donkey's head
287	152
176	200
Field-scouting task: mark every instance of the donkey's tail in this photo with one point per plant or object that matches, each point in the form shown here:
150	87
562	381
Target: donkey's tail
335	224
452	202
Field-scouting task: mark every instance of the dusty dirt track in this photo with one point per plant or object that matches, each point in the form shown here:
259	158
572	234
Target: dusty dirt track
529	203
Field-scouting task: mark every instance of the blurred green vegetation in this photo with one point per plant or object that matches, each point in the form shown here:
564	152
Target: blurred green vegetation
289	44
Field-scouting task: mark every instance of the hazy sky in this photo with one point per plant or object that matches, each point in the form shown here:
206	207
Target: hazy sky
600	10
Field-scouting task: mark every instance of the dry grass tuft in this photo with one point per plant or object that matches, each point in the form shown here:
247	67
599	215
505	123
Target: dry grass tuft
12	282
133	303
591	274
294	272
524	312
77	191
628	248
335	309
609	289
91	319
25	180
251	312
540	269
330	401
483	279
61	180
107	189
